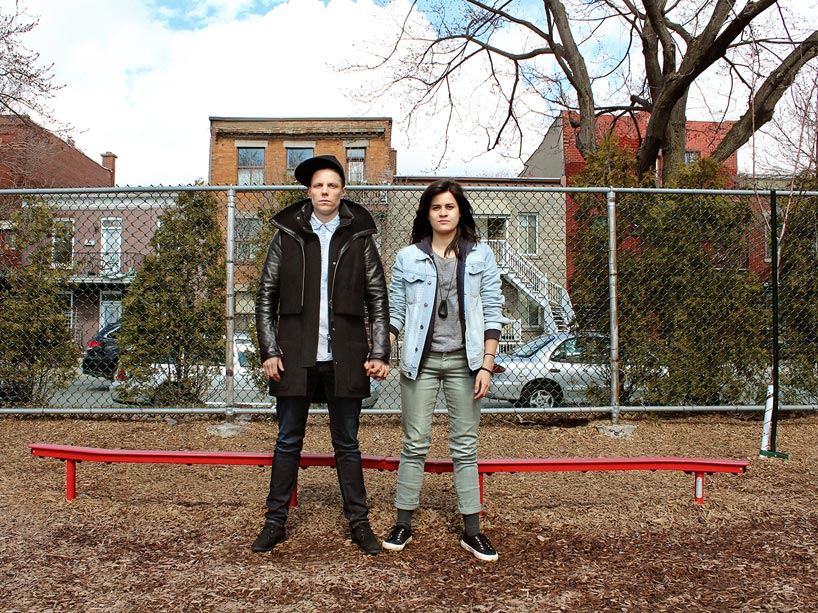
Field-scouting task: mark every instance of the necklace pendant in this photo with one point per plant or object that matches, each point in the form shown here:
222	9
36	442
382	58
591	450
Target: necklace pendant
443	309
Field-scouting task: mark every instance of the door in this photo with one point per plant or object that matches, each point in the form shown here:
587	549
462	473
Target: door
111	245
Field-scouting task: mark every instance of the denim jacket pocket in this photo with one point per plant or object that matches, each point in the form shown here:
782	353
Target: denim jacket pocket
474	277
415	284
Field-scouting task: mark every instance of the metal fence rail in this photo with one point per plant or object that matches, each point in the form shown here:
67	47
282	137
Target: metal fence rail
140	300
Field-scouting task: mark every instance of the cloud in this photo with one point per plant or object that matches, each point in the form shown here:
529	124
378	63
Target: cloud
141	79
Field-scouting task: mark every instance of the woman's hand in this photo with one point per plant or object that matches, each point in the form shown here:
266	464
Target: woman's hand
482	382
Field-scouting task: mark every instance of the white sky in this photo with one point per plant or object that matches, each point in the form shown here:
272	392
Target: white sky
142	77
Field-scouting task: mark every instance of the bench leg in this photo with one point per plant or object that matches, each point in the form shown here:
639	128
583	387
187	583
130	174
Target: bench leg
699	488
70	479
294	499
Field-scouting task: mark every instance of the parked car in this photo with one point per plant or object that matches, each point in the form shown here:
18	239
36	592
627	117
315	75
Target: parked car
248	383
102	353
551	370
207	382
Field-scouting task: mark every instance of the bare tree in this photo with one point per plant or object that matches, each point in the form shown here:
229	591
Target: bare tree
562	52
25	84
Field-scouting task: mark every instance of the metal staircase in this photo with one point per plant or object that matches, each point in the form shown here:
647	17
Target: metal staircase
526	277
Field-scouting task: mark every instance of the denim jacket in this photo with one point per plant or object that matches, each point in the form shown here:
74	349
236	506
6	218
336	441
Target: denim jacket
412	294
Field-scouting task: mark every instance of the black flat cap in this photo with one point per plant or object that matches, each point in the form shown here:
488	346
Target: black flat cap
307	168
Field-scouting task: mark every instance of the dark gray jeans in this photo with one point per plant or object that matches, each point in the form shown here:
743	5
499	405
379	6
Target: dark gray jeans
344	419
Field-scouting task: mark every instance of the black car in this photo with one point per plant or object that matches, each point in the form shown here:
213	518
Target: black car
102	353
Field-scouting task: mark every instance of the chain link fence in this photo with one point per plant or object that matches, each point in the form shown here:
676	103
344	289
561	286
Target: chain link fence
141	299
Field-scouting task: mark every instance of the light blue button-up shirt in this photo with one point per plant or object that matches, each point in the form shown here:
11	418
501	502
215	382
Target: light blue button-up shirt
324	231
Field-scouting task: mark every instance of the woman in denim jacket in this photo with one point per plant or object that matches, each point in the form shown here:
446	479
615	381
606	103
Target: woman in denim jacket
445	295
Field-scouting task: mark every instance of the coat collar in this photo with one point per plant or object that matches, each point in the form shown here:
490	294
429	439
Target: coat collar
297	217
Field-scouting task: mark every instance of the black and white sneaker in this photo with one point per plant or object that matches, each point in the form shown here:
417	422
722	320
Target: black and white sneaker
480	546
398	538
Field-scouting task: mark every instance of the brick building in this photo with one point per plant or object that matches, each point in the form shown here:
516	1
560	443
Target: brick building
558	155
94	236
33	157
258	151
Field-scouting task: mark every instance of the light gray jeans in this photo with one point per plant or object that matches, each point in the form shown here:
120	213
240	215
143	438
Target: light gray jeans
417	408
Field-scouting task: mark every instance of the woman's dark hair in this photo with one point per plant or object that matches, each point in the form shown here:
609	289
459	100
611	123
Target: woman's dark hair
466	228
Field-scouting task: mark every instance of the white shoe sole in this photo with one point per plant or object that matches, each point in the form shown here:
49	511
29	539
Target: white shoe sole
395	546
477	554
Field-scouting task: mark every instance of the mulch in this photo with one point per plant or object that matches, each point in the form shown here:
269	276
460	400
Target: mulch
150	538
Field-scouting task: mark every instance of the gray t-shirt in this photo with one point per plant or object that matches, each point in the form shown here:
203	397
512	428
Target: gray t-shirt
448	333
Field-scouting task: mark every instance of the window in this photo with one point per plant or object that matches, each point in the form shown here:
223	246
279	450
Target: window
493	233
692	156
110	307
111	245
533	315
296	155
251	166
245	310
356	165
496	228
63	243
247	229
528	233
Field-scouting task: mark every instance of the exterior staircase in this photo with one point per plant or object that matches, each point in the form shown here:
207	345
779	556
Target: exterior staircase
526	277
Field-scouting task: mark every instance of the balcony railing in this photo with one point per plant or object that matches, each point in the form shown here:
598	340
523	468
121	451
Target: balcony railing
553	298
107	265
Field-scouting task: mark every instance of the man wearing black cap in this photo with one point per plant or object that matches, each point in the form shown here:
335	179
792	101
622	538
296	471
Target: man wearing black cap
322	276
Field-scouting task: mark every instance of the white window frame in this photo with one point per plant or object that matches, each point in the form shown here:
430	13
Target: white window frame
356	165
110	245
250	175
244	244
110	306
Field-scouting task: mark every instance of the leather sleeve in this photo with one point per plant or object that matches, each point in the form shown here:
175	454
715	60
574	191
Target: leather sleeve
377	302
267	299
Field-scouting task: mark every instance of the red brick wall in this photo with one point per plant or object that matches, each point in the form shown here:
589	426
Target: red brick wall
31	156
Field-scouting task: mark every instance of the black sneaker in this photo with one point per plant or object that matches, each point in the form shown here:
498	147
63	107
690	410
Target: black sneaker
398	538
362	536
480	546
270	536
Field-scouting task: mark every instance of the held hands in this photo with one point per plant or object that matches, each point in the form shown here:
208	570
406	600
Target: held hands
377	369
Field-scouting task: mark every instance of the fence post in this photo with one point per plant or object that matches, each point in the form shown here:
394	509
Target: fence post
771	408
612	305
230	303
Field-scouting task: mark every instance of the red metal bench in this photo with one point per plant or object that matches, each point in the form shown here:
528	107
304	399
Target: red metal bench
71	455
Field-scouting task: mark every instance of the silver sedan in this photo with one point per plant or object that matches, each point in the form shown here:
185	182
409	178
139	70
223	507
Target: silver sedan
551	370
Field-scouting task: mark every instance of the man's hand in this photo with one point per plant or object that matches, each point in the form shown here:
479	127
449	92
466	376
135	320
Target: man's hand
377	369
273	367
